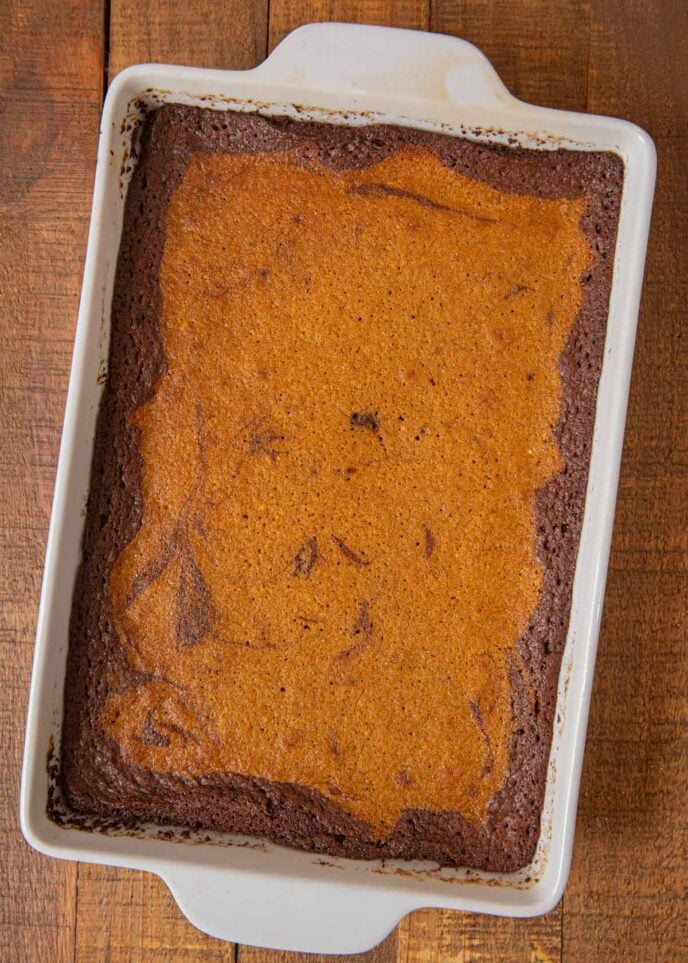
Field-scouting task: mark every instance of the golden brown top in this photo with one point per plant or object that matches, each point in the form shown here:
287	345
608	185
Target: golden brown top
340	467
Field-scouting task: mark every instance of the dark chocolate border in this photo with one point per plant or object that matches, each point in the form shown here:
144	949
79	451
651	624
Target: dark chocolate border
96	783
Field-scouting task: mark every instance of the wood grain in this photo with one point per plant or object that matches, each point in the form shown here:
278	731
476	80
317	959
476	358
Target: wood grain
538	48
199	33
286	15
51	72
128	916
435	936
385	952
627	896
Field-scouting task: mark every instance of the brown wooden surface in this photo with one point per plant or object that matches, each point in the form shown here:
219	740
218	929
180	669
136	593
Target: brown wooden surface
626	899
51	79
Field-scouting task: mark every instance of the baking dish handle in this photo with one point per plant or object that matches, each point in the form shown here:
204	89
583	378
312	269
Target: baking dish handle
356	60
260	909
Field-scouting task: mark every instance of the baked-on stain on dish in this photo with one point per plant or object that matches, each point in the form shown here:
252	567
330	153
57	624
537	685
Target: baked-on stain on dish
406	663
342	459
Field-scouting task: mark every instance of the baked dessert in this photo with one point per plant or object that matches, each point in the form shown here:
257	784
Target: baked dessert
338	485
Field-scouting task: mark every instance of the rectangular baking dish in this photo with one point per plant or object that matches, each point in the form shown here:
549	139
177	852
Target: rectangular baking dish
256	892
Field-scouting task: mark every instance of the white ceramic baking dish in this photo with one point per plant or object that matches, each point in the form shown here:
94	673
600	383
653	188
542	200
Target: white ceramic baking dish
261	893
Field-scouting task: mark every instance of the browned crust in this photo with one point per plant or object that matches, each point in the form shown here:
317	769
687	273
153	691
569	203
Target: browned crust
95	781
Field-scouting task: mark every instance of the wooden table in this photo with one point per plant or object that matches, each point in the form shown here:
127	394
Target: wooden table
626	897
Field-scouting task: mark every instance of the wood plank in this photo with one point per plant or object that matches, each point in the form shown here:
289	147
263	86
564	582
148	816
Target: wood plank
385	952
130	916
538	48
627	894
286	15
51	70
432	936
123	915
203	33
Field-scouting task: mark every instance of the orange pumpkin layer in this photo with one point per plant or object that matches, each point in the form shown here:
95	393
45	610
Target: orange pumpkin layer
339	473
